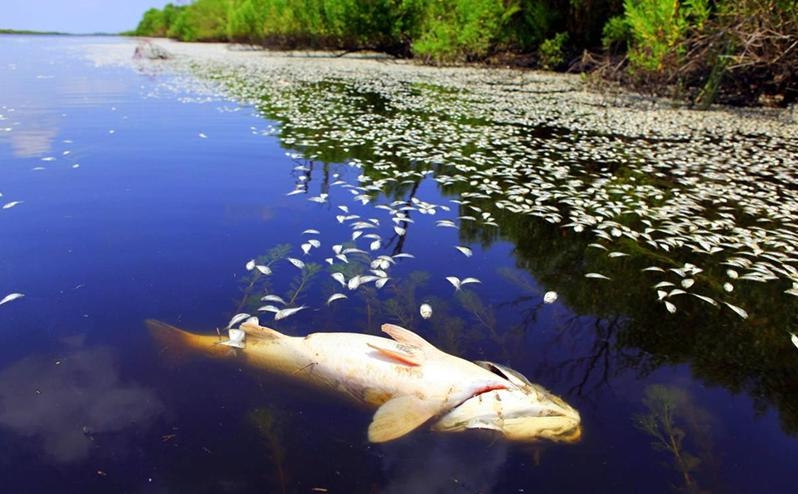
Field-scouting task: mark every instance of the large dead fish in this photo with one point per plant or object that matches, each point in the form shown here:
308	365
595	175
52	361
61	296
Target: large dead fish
410	381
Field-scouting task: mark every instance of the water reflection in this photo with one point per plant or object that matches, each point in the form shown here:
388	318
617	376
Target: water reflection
26	143
427	463
71	403
680	428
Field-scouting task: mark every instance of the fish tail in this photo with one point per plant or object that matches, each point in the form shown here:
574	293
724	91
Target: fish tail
178	345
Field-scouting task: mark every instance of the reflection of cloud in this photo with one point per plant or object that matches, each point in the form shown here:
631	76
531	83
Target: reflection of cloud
436	464
33	142
62	402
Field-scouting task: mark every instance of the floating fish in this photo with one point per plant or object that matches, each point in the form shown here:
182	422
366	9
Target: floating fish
236	338
446	223
354	282
705	299
464	250
408	380
237	319
334	297
283	313
11	297
296	262
738	310
457	282
273	298
425	310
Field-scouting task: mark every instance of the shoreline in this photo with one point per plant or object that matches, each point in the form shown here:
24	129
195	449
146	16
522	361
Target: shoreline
567	91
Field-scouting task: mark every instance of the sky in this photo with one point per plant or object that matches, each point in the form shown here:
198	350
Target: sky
76	16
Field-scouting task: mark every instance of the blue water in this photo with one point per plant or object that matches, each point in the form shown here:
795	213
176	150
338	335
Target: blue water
139	216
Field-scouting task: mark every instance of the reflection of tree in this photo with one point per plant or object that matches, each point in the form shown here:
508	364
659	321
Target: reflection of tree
751	356
668	423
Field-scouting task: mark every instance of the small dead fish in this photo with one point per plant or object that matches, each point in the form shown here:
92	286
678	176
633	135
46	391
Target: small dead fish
283	313
457	282
334	297
11	297
237	319
425	310
464	250
296	262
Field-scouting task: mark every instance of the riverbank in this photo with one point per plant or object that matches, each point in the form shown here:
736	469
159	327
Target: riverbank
581	101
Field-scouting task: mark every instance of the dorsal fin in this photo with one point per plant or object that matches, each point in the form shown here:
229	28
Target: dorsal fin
399	355
254	330
407	337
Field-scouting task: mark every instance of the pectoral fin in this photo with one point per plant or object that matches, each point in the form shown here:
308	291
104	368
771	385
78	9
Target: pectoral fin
402	357
399	416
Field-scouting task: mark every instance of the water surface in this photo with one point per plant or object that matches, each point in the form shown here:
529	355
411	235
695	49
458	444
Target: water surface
145	189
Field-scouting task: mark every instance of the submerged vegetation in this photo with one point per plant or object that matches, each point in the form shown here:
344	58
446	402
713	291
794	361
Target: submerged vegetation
742	52
672	422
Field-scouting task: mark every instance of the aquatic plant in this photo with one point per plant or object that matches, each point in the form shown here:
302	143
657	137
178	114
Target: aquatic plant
269	424
667	407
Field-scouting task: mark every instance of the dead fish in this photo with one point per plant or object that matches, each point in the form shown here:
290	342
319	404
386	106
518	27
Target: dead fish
408	380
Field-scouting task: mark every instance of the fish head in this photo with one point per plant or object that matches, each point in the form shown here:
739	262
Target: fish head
523	411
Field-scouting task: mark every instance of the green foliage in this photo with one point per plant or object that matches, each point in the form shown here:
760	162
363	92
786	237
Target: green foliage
462	29
203	20
552	51
444	30
615	33
658	29
668	42
156	22
246	20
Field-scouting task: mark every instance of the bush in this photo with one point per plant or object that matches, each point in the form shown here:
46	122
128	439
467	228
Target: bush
552	52
462	30
615	35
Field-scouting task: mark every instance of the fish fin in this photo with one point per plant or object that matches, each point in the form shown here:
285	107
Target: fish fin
399	416
406	337
255	330
406	358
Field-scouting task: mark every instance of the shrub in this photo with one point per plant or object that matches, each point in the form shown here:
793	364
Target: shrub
462	29
552	51
615	35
